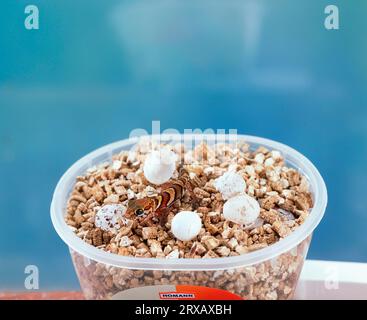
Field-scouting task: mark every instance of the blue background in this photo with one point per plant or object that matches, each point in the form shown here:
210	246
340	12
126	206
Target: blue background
96	70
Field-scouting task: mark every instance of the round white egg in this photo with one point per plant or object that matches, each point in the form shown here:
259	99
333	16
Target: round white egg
159	166
186	225
241	209
230	184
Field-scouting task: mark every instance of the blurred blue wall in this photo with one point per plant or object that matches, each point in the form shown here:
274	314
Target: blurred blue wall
96	70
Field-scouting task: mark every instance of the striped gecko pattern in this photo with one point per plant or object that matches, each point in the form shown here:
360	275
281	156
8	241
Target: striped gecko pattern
144	210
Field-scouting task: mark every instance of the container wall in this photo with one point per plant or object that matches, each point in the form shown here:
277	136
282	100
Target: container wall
269	280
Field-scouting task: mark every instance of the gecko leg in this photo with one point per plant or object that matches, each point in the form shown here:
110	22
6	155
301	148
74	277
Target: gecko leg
148	219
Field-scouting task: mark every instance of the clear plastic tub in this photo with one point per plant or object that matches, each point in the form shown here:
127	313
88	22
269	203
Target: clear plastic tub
268	273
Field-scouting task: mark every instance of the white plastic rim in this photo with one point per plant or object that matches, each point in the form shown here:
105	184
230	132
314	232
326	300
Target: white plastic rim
103	154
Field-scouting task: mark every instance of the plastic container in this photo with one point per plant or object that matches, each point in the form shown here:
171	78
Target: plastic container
268	273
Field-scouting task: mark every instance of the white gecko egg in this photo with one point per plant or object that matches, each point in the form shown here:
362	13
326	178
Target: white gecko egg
186	225
230	184
108	217
159	166
241	209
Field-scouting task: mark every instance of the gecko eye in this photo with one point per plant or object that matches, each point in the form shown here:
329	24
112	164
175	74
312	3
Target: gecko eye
139	212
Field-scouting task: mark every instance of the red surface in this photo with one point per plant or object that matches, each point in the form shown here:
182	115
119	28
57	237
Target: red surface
53	295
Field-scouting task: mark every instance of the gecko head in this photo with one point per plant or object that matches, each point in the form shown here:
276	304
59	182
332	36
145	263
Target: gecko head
138	207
